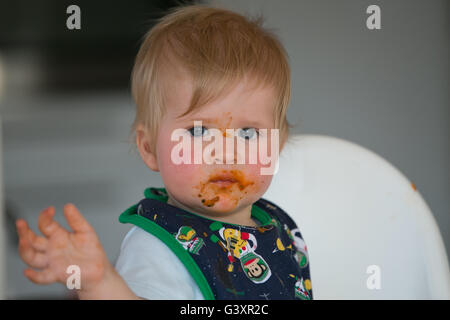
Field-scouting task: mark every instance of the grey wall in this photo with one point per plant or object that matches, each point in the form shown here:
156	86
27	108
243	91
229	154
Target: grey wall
386	90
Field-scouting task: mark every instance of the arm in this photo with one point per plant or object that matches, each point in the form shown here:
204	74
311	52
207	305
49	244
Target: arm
52	253
152	270
112	287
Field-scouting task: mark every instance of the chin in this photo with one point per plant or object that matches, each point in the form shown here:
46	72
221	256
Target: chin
223	203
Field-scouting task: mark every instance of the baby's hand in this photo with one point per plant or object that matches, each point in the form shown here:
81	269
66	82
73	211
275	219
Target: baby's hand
59	248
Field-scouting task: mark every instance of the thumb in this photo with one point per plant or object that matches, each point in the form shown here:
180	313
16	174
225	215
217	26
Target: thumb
76	220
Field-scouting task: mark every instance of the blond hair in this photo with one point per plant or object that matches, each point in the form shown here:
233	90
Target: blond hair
217	48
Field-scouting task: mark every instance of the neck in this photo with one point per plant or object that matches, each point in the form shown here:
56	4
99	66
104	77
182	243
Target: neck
242	217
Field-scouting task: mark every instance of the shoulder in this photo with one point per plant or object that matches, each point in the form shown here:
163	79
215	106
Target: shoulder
152	270
139	238
282	217
276	212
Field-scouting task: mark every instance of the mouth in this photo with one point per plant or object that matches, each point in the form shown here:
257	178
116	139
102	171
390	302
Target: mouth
225	187
223	180
223	183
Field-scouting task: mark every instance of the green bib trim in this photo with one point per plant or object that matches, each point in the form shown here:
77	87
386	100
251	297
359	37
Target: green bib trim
130	216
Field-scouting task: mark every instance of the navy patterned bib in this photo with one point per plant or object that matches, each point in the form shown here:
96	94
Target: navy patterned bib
230	261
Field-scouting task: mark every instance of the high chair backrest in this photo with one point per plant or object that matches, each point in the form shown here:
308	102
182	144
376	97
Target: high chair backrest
369	233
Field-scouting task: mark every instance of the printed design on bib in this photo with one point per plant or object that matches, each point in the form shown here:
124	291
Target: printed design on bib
301	254
241	246
140	210
302	288
279	243
187	237
297	245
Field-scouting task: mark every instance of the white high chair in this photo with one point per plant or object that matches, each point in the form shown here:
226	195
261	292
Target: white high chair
369	233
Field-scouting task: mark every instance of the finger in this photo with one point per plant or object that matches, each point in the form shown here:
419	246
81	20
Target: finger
31	256
24	231
37	242
45	276
76	220
22	228
46	224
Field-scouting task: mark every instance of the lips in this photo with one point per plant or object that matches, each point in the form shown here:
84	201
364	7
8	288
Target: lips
223	179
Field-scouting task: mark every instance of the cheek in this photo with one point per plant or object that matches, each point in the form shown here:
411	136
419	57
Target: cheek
262	181
181	175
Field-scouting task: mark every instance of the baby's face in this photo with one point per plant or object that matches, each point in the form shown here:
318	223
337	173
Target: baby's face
217	189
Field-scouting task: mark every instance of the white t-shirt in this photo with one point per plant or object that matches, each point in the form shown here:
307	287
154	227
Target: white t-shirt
152	270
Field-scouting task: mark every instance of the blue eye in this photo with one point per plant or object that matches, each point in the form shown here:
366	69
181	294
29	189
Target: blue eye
248	133
198	131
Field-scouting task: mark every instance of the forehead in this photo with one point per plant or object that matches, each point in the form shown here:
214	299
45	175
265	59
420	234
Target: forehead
242	103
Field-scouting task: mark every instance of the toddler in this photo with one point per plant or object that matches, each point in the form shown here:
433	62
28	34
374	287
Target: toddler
201	73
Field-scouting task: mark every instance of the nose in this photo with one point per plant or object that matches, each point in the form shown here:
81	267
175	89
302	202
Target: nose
229	153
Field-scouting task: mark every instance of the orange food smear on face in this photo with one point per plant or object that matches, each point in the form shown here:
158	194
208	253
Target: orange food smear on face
240	177
413	186
210	192
210	203
218	123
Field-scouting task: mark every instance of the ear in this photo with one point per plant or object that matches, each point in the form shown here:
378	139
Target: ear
143	143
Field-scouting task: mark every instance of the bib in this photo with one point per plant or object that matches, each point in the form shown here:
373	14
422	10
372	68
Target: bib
229	261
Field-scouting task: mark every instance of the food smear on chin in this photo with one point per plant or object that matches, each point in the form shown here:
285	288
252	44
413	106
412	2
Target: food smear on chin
232	184
210	203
